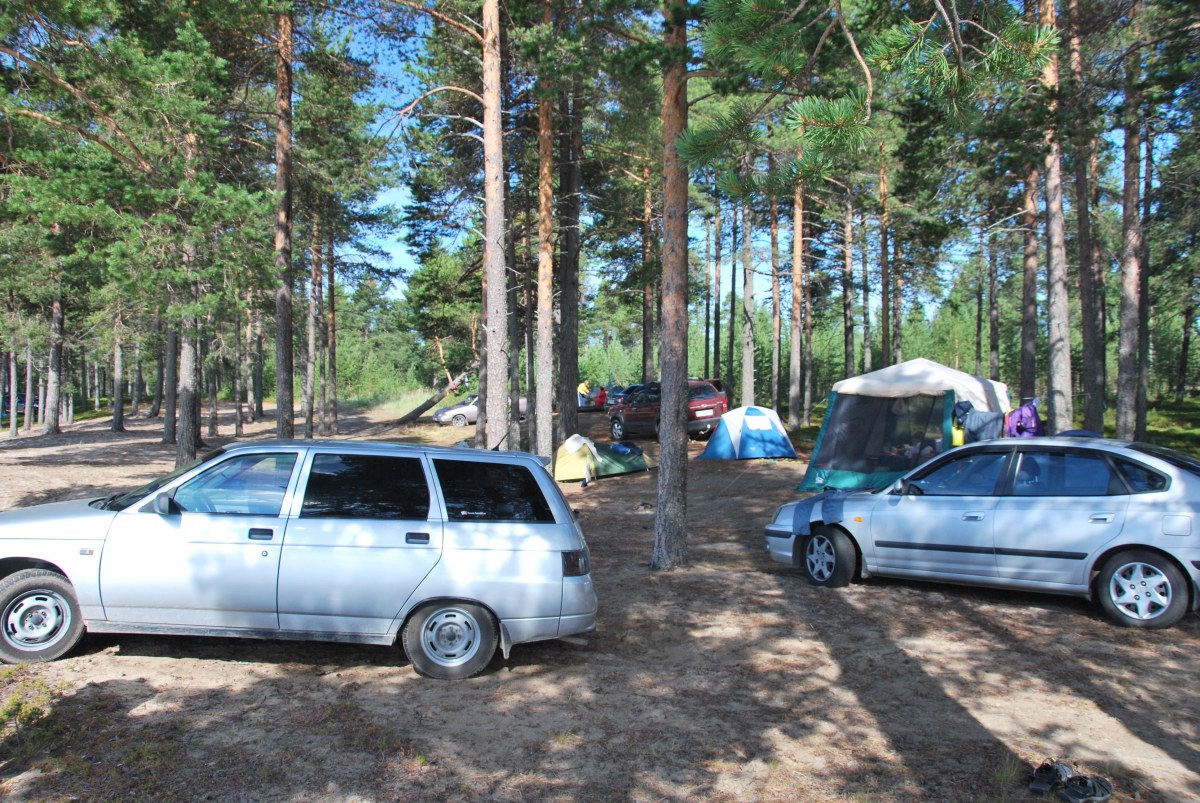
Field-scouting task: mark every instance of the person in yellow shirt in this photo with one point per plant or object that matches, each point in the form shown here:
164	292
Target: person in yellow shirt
584	392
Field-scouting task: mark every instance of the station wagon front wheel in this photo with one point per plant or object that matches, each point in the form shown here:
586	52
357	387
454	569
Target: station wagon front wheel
40	616
450	640
1139	588
828	558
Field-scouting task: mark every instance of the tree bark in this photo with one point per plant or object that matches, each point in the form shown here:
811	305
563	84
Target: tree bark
27	422
544	405
866	299
1145	303
795	363
156	404
718	225
776	312
1190	305
495	323
848	289
733	250
189	398
171	386
12	392
1131	237
885	271
670	547
118	401
313	320
54	387
748	394
648	305
707	296
136	403
570	155
285	426
993	311
1058	353
331	334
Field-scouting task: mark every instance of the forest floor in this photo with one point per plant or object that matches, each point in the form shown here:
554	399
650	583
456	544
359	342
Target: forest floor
732	679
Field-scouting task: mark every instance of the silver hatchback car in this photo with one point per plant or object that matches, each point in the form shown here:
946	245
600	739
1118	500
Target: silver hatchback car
451	551
1087	517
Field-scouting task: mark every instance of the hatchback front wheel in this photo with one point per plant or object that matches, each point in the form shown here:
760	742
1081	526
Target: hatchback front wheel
829	558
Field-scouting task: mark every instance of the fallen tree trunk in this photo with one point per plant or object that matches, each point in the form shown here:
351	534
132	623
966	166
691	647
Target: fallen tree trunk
419	410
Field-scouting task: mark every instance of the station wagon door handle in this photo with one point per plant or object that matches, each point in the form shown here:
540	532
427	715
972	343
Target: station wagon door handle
416	538
1102	518
261	534
972	517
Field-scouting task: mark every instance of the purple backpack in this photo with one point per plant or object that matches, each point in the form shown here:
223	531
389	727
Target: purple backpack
1024	422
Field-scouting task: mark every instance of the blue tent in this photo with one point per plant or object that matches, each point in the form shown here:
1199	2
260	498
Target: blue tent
747	433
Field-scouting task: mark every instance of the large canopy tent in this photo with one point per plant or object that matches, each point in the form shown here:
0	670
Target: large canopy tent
879	425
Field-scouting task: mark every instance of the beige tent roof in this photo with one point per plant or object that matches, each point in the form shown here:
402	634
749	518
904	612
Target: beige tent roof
921	377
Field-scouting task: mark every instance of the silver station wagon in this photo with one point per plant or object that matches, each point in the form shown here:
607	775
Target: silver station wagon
1100	519
451	551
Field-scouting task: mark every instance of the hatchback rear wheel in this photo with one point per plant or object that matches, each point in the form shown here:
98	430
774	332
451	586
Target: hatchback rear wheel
1139	588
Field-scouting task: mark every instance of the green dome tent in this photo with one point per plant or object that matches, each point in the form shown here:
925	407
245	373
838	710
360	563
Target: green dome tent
880	425
581	459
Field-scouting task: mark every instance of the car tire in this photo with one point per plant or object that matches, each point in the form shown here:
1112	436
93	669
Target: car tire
828	558
617	429
1140	588
40	615
459	420
450	640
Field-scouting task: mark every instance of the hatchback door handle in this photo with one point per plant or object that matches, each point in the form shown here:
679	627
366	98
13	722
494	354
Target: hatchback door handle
1102	518
416	538
972	517
261	534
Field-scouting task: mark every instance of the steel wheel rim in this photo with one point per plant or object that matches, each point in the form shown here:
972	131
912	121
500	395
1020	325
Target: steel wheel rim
820	557
36	620
451	636
1140	591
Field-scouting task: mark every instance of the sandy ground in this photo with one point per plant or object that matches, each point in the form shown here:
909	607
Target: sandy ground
732	679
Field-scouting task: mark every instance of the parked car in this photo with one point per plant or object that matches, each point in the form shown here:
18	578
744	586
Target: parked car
453	552
1087	517
639	413
619	395
465	412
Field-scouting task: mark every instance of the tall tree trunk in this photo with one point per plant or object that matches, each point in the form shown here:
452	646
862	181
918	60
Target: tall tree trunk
239	375
495	323
54	390
885	271
1144	301
1091	309
866	298
776	313
285	426
648	305
27	422
544	407
733	250
718	225
331	333
315	276
1190	304
748	395
570	145
1131	241
707	295
897	299
118	406
980	273
12	392
259	367
189	397
1058	353
993	311
138	380
212	381
806	245
156	404
171	386
795	364
670	547
848	289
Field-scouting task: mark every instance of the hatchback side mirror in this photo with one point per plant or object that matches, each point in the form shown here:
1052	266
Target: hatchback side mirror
164	505
907	488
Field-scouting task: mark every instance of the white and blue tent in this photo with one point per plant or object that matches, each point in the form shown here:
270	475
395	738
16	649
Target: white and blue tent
747	433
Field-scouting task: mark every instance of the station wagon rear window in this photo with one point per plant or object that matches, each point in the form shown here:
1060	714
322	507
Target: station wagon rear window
364	486
477	491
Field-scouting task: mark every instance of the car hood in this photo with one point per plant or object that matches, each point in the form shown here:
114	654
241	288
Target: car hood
452	407
62	521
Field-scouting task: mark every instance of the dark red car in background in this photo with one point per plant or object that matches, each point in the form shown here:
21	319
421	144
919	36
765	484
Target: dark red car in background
638	414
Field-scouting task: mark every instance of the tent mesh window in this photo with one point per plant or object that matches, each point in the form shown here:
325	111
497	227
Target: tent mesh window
871	435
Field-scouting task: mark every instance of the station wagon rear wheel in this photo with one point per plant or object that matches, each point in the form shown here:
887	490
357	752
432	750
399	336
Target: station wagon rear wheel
829	558
1139	588
40	616
450	640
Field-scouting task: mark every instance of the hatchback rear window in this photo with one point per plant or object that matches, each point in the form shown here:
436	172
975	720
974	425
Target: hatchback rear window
476	491
1181	461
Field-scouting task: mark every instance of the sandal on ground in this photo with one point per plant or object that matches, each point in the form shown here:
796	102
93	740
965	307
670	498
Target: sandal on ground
1048	777
1084	789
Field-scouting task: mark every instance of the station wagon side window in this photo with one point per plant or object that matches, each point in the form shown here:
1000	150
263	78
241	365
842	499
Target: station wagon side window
973	474
478	491
249	485
1065	474
1141	479
364	486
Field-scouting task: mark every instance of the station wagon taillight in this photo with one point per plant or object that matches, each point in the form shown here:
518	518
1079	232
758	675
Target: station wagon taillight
576	563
